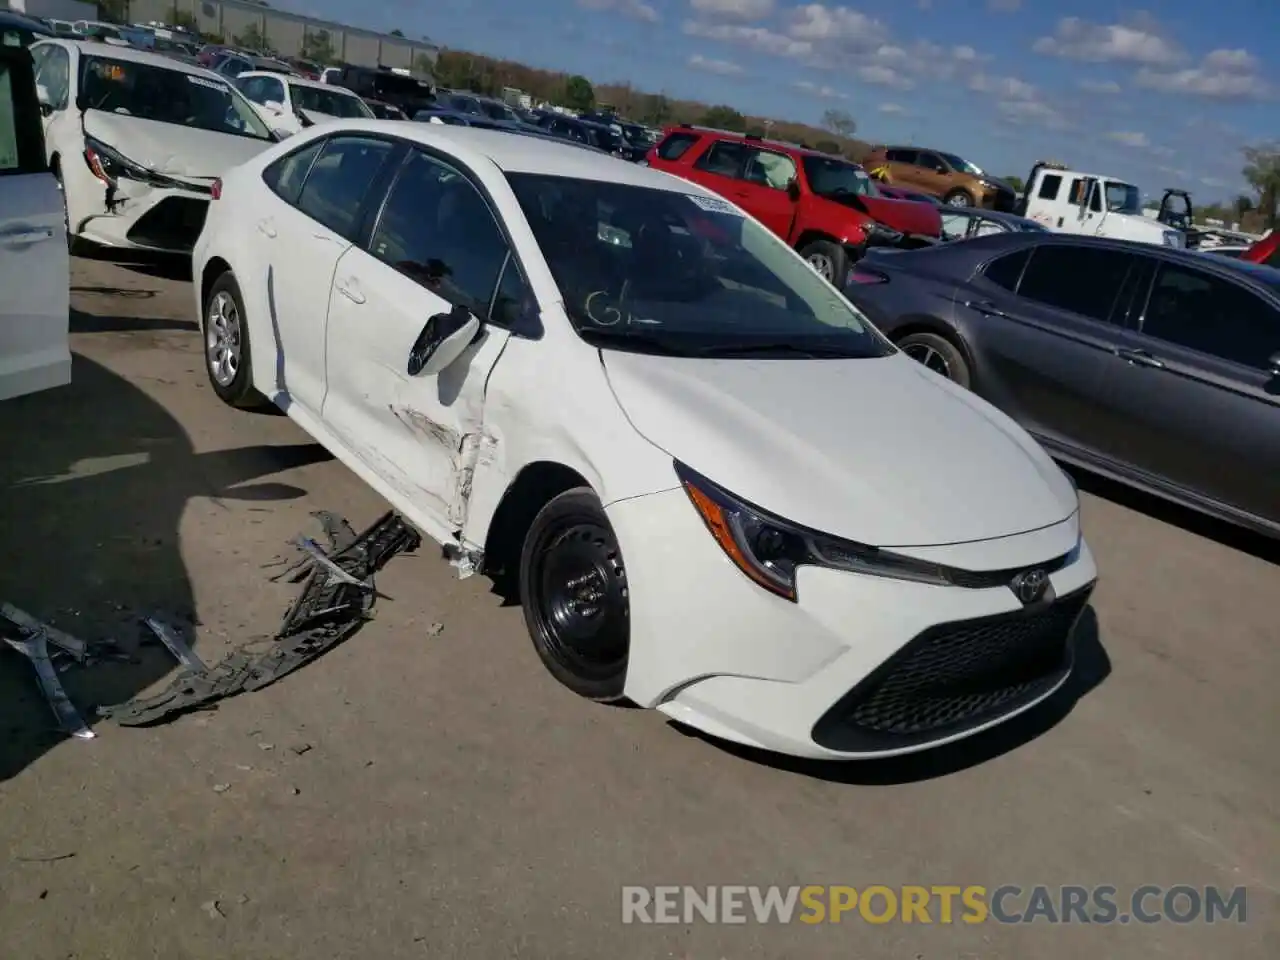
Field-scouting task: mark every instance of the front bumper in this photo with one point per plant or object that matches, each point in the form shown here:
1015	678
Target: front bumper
861	666
140	216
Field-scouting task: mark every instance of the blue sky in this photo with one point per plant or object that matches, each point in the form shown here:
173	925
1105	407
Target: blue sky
1163	96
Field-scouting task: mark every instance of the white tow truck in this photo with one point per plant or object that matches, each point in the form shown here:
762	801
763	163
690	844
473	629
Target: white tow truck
1071	201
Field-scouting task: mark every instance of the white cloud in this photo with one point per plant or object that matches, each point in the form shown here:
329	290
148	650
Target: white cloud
1221	75
1139	43
1031	111
1006	88
892	108
734	9
634	9
1107	87
724	68
1214	182
1130	138
827	93
815	22
1004	6
755	38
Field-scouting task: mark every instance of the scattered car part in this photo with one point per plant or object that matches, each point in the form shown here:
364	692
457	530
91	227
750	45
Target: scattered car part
177	646
24	621
329	609
34	646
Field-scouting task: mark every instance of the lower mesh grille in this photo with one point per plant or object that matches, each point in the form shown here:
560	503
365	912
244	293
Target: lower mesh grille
172	224
954	677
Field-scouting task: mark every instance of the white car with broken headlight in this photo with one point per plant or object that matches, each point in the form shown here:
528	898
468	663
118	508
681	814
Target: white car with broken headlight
719	490
137	140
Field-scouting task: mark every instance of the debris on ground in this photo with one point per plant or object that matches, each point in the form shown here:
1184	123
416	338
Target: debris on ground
300	748
336	599
32	642
213	909
435	630
221	787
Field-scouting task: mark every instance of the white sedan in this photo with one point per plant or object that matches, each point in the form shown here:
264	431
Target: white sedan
137	139
288	104
721	492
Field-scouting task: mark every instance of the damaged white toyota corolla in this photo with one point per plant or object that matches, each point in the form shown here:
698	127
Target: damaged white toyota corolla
720	491
137	140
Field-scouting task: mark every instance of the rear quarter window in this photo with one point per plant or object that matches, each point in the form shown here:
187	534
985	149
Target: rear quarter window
1006	271
676	145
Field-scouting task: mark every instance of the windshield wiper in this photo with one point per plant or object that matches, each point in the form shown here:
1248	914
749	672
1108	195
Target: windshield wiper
616	337
812	352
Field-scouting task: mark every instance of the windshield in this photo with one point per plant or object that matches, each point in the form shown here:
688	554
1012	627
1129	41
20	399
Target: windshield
152	92
1123	198
833	178
331	101
661	271
964	166
464	104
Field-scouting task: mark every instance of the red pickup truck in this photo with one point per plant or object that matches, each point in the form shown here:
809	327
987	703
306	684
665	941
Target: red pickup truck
825	207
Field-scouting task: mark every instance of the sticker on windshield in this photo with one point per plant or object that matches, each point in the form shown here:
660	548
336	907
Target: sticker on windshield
201	82
713	205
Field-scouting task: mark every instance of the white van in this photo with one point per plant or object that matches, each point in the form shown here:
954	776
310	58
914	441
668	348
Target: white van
1070	201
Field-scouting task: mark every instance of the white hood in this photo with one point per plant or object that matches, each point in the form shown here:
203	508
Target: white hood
882	452
172	149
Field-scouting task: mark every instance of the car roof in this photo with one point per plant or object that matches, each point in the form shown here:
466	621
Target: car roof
779	145
11	19
518	152
92	48
297	81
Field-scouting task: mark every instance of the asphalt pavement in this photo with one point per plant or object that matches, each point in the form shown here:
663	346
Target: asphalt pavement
427	790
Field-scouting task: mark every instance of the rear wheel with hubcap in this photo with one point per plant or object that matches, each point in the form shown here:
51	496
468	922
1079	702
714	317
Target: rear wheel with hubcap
958	198
226	345
573	588
938	354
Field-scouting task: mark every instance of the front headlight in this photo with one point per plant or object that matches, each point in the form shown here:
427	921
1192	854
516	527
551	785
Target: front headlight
771	550
882	232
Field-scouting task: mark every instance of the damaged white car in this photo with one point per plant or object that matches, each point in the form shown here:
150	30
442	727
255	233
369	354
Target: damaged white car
720	491
288	104
137	141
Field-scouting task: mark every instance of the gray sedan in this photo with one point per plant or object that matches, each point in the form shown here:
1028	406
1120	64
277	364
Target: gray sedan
1157	367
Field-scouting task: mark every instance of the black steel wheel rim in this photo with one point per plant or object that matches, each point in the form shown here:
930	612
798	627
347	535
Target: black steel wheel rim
929	357
580	597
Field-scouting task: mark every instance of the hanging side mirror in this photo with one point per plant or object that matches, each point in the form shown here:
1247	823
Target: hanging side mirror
443	340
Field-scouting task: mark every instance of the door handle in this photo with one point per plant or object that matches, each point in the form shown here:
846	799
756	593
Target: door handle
985	307
267	227
24	238
350	289
1139	358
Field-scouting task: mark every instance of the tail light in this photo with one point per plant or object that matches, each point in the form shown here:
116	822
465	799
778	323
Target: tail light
215	189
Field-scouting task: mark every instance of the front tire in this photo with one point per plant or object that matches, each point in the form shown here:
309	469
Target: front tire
829	259
959	198
227	358
938	354
573	588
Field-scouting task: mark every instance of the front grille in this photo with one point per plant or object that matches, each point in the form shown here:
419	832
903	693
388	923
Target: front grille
954	677
172	224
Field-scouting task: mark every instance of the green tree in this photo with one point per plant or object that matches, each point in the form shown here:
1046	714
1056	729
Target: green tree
422	64
1016	183
838	122
1262	171
724	118
397	32
317	46
579	94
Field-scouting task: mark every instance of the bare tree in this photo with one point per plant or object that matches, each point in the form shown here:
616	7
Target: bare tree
838	122
1262	170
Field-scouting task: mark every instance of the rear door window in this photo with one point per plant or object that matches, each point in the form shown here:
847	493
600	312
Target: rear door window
1006	271
1083	280
899	155
725	159
676	145
1206	313
338	181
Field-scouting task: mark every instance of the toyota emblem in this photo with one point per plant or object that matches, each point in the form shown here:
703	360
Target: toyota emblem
1030	585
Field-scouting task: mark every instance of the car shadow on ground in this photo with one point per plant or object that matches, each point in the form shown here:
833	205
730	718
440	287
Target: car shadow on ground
1092	667
94	482
167	266
1202	525
82	322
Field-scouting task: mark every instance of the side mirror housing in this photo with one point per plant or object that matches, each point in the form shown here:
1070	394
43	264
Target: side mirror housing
443	340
